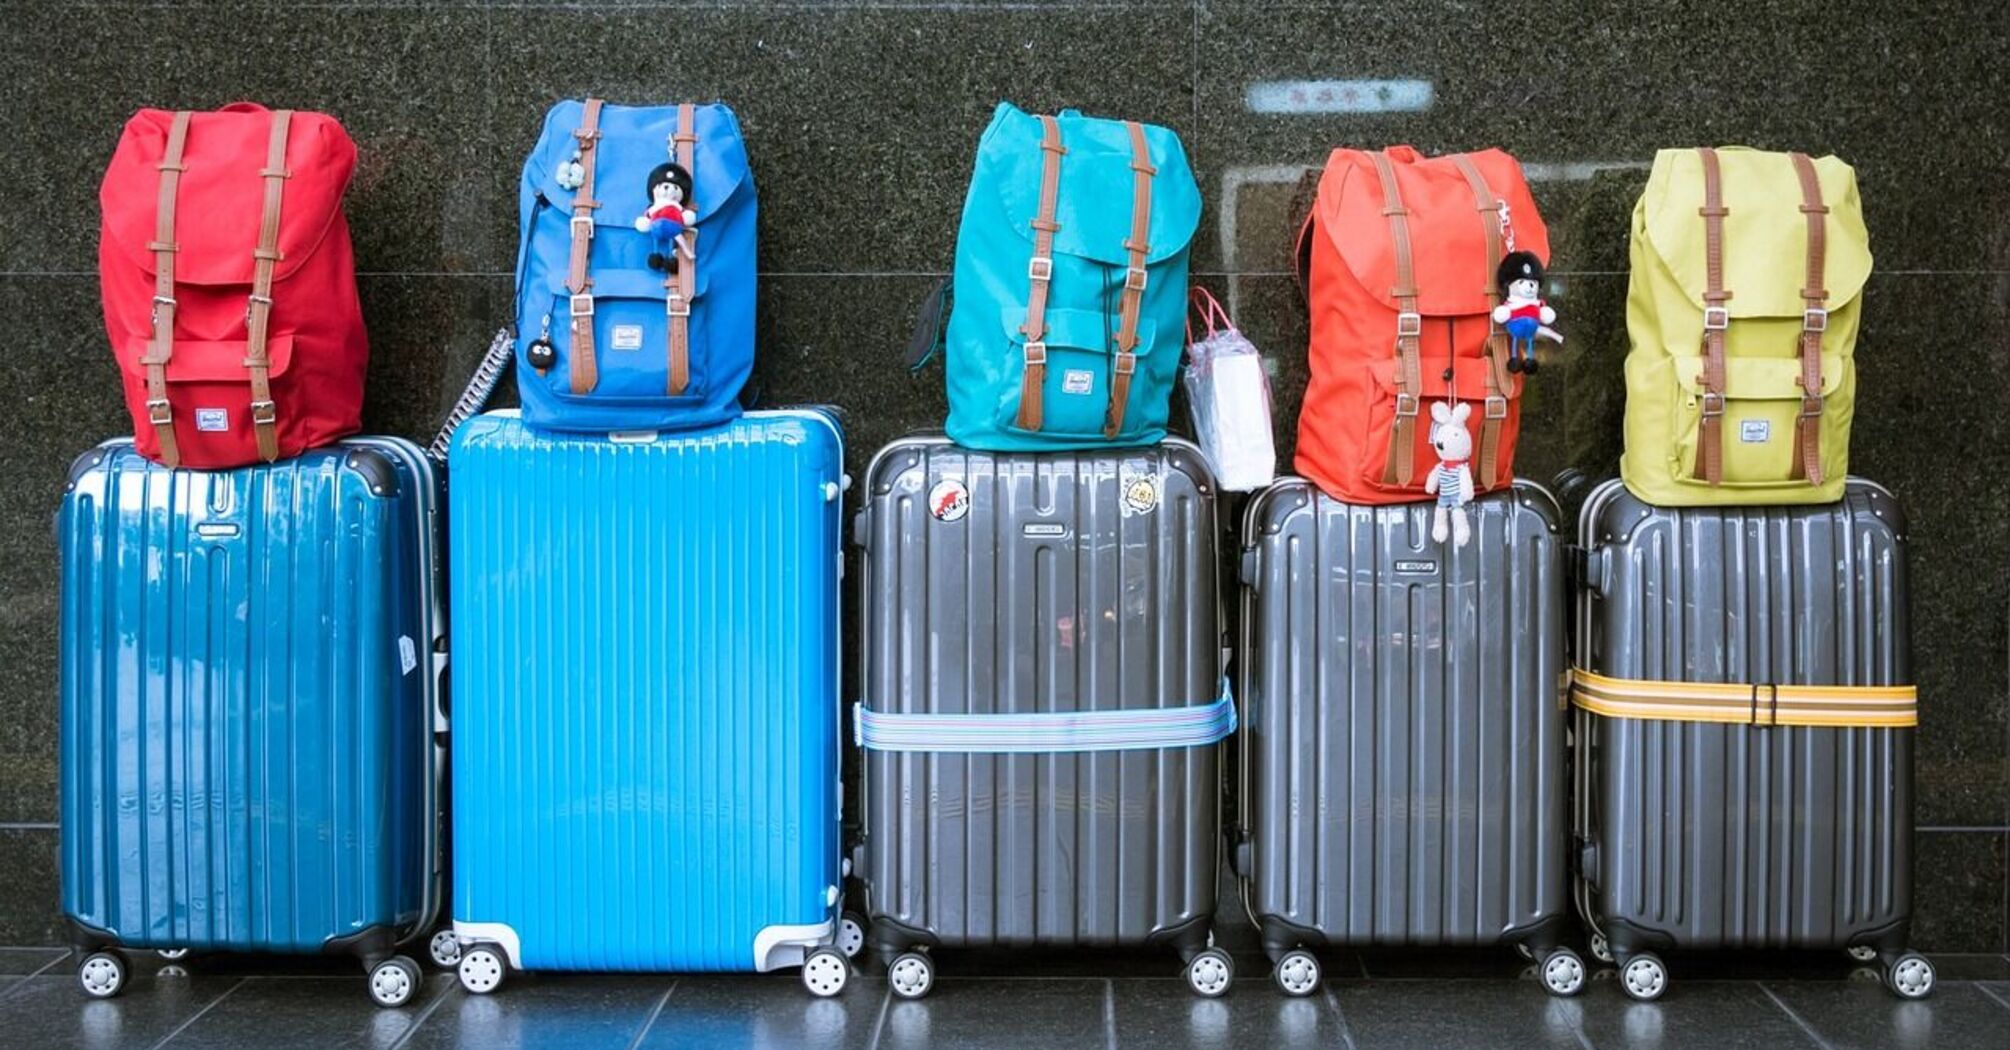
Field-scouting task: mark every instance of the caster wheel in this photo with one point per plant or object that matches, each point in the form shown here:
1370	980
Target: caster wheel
825	972
1297	973
1211	972
851	935
1644	978
173	954
1563	972
445	948
1910	976
911	975
482	969
1862	952
102	974
394	981
1600	948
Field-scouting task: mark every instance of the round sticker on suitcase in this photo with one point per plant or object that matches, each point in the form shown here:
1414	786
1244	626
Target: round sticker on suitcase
949	500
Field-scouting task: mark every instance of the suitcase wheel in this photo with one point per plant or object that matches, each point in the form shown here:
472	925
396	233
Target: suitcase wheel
1210	973
1563	972
1644	977
102	974
1602	950
825	972
1910	976
445	948
394	981
482	969
1297	973
911	975
851	934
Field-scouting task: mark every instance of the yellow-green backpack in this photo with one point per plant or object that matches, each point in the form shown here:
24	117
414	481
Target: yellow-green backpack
1748	268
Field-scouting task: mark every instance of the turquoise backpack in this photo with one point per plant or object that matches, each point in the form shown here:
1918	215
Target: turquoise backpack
1069	308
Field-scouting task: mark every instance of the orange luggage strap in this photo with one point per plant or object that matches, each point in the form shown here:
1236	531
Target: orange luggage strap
1400	466
681	285
1499	380
1134	279
258	315
161	350
1716	321
1737	703
583	370
1040	271
1814	321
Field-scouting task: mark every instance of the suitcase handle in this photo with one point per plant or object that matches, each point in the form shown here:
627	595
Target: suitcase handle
1587	569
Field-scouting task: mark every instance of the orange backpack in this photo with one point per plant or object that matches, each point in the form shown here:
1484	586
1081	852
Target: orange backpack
1398	259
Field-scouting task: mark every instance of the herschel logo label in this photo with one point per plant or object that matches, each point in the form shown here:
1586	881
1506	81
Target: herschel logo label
627	337
1417	568
213	419
1077	381
1755	431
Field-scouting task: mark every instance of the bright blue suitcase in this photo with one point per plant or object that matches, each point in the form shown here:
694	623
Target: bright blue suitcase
251	672
645	751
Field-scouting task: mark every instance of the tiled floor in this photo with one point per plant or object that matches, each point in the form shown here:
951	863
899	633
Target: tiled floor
1421	1000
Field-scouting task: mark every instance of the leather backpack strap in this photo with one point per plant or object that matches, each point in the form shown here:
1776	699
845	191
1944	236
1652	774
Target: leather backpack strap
258	315
1139	248
161	346
682	285
1400	467
584	369
1716	321
1040	271
1814	321
1499	381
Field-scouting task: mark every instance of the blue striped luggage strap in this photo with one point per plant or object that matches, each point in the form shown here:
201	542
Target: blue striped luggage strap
1048	731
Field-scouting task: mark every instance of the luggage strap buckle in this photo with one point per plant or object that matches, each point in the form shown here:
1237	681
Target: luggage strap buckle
1811	406
1772	689
582	226
1716	318
676	306
1036	352
263	412
1406	405
1497	407
1409	324
1134	279
1814	319
158	412
1040	268
582	305
1125	364
1713	403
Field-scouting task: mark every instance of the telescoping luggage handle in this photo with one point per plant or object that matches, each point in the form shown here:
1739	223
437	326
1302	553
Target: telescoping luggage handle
1047	732
1807	458
258	308
1767	704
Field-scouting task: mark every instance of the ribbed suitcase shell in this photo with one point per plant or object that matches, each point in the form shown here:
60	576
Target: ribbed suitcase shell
1403	729
646	714
1701	835
1049	594
250	671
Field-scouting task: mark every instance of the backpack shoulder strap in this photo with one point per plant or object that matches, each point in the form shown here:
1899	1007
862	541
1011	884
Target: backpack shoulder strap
583	370
1040	271
1814	321
681	285
1716	321
258	316
159	413
1400	467
1499	382
1139	249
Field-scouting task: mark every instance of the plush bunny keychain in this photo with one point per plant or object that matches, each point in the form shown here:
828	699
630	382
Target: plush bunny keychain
1451	480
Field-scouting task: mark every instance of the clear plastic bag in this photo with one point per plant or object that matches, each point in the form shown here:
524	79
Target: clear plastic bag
1229	395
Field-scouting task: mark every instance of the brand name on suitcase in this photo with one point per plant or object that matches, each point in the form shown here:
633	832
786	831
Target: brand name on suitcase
1417	568
1045	528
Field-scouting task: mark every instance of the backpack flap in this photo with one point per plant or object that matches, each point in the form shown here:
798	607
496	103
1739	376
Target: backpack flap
221	184
1765	233
636	139
1454	277
1094	223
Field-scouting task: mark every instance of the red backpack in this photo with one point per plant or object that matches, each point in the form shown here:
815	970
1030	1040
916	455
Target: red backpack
230	285
1398	260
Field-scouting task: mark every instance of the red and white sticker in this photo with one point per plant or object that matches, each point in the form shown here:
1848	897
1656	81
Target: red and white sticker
948	500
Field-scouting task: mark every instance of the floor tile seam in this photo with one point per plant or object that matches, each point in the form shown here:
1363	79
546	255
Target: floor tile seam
654	1012
1992	994
1794	1015
1110	1013
425	1015
1339	1018
879	1022
199	1014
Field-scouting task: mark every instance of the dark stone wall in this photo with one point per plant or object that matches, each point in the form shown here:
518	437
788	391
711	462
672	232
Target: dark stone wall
861	119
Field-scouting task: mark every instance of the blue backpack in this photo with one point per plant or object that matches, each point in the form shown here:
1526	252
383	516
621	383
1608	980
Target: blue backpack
1070	287
635	272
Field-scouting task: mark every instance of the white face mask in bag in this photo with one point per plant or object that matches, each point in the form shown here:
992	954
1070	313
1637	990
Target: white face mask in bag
1230	397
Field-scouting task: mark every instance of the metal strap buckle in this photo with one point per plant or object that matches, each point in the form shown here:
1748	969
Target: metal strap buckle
164	300
1125	364
1713	403
675	306
1409	324
1811	406
582	304
1036	352
1772	704
1134	279
1716	318
1497	407
1406	405
1815	319
1041	268
585	221
263	412
158	412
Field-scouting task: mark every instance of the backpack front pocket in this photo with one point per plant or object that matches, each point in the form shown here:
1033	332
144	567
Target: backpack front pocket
1468	384
631	341
1761	411
1070	371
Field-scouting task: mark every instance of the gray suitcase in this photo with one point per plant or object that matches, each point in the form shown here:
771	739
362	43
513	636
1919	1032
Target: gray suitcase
1051	582
1710	834
1402	745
